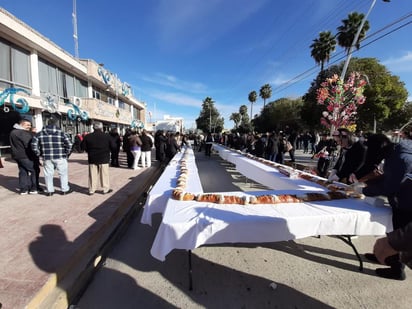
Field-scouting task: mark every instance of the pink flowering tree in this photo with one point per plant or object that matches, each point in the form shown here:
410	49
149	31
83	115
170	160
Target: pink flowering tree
341	100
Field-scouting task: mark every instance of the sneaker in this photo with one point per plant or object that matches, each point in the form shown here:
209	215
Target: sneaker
67	192
108	191
24	192
391	273
33	192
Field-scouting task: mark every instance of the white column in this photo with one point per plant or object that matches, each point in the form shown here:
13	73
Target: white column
34	71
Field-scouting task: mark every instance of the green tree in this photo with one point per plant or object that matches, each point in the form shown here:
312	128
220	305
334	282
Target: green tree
265	93
386	96
348	30
322	48
245	125
252	99
235	117
209	118
279	115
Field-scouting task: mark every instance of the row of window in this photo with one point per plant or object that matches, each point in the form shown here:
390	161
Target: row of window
15	72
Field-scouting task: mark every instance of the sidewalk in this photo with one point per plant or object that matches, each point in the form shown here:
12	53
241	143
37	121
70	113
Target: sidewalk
48	243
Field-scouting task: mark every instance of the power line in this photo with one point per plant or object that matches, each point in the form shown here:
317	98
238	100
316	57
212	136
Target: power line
301	76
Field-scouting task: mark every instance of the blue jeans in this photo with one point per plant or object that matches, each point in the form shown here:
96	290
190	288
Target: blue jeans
62	169
27	175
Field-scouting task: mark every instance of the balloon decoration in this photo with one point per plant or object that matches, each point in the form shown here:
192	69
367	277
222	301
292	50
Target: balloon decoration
20	105
76	113
105	75
50	102
137	124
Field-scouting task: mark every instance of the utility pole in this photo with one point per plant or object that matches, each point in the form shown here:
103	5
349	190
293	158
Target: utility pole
75	37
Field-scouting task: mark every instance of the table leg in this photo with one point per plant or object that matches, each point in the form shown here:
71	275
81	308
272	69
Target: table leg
190	270
348	240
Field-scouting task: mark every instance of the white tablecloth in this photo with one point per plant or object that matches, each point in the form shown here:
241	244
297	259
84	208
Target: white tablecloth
162	190
264	174
188	225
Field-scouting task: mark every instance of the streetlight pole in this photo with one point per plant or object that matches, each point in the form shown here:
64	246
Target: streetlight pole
210	118
355	39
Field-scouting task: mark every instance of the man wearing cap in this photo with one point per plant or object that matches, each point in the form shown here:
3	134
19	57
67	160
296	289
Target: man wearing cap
98	146
55	147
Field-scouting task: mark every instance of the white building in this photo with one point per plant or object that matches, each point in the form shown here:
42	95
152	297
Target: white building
170	124
39	80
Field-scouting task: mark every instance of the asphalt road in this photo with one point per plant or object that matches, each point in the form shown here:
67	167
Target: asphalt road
307	273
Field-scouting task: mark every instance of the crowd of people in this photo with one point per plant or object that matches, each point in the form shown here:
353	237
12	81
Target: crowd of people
371	163
54	147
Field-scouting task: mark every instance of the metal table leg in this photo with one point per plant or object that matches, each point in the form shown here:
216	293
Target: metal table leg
348	240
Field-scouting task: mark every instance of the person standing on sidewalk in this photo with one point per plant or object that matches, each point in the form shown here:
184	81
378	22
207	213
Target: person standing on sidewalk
20	139
147	144
55	147
116	142
135	147
98	146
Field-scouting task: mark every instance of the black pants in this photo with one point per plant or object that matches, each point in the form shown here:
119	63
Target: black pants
323	165
27	175
401	216
208	149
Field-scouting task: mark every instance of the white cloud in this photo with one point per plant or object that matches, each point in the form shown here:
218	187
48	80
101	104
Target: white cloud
174	82
177	98
401	64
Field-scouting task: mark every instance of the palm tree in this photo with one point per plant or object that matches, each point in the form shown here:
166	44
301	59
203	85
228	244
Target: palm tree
347	31
265	93
235	117
322	48
252	99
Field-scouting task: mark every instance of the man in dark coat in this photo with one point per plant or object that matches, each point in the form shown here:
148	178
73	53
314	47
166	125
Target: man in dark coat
351	157
98	146
116	142
395	184
20	139
161	144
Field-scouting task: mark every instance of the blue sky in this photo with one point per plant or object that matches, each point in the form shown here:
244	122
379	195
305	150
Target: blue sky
175	53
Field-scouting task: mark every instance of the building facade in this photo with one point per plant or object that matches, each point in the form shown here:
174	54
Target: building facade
40	80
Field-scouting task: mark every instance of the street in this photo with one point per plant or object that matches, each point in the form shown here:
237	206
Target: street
306	273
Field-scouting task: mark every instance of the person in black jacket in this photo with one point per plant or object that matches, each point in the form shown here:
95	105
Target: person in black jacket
396	185
351	157
20	142
116	142
147	144
171	147
272	147
126	148
98	146
324	150
160	145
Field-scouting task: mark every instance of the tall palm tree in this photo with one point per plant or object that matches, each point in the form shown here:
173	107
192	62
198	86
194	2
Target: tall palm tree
322	48
252	99
265	93
235	117
347	31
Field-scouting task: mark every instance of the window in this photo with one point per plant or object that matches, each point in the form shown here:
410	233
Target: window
96	94
56	81
122	105
48	75
14	66
111	101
